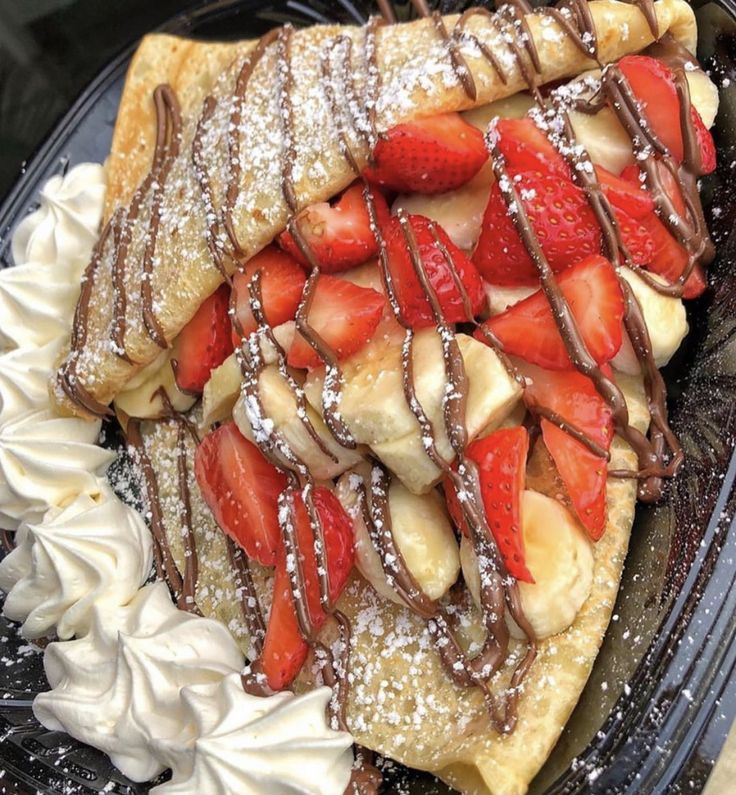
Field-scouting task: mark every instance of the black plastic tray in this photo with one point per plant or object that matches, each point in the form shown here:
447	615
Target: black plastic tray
662	695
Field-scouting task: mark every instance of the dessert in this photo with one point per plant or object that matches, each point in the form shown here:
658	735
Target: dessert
380	311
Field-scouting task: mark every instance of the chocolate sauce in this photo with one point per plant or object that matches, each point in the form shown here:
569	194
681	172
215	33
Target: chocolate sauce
246	591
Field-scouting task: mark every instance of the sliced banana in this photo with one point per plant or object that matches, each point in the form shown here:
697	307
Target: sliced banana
560	558
666	321
502	297
140	398
421	530
514	107
280	407
704	95
374	407
223	388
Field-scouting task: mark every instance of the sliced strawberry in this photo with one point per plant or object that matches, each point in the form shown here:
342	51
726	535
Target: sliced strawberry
241	489
501	460
562	220
669	258
411	297
654	88
669	183
705	143
345	317
526	148
631	197
593	292
338	233
575	399
284	648
282	283
636	238
204	343
430	155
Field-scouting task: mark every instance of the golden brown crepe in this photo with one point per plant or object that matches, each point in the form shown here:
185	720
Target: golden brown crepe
417	80
401	702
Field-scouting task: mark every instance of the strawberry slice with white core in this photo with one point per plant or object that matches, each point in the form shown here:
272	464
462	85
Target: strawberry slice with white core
344	315
241	489
592	290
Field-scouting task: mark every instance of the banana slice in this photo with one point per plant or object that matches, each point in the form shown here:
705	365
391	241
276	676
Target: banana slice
421	530
666	320
560	558
501	297
280	406
704	95
223	388
139	398
513	107
374	407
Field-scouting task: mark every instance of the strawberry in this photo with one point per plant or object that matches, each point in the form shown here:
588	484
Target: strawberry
561	217
706	143
592	290
623	194
430	155
345	317
282	283
204	343
574	397
636	238
284	648
501	460
526	148
338	233
653	86
669	258
411	297
241	489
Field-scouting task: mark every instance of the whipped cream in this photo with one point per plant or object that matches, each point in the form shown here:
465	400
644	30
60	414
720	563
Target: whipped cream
248	745
47	461
96	551
24	375
36	304
118	687
63	230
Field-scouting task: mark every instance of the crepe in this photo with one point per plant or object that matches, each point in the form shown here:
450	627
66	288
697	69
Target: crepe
416	80
401	703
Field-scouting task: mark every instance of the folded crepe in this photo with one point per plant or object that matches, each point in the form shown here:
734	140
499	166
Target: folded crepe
400	701
165	249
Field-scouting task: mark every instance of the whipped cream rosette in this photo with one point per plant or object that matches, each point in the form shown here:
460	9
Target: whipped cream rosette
64	228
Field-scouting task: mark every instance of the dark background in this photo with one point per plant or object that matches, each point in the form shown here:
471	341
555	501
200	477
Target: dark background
49	51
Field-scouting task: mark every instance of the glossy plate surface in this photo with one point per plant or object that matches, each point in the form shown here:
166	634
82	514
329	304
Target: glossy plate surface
663	692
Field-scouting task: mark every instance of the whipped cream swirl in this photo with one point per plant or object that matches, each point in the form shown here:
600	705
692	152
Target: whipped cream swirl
47	461
250	745
96	551
64	228
24	375
118	687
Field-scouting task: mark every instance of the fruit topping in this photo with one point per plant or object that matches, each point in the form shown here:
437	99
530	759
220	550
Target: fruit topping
431	155
204	343
591	288
501	461
338	234
282	283
285	649
574	399
561	218
438	255
241	489
343	315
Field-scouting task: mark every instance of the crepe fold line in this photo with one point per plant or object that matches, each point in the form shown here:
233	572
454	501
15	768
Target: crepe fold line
416	80
401	703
